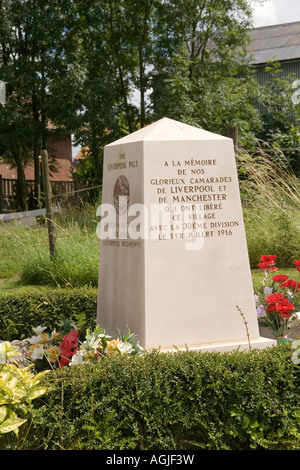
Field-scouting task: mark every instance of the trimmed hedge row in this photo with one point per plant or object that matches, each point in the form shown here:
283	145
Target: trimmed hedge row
183	400
27	307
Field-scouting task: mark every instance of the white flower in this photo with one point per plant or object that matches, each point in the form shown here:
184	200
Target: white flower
77	359
261	312
296	357
37	353
268	291
294	320
296	354
39	330
296	344
124	348
95	340
35	339
92	342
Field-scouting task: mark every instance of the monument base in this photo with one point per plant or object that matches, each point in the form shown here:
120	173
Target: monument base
257	343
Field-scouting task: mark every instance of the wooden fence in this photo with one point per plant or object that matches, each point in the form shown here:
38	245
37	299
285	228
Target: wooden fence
8	191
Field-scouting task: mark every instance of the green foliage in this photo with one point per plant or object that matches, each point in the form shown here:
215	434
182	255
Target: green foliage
290	139
18	387
201	73
278	110
270	193
27	308
32	63
279	116
86	171
272	232
77	65
185	400
76	265
24	252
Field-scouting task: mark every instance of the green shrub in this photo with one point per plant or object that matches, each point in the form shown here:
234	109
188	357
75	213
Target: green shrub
18	387
189	400
25	308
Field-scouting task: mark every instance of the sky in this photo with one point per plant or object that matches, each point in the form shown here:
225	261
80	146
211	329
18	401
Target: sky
276	12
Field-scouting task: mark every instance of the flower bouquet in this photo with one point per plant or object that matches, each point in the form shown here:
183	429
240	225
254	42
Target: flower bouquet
278	301
53	349
98	343
71	344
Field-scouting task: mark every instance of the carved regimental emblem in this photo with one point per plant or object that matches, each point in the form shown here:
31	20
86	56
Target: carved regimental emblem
121	195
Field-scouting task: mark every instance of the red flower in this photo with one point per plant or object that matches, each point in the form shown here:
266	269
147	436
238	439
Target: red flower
263	265
284	308
69	347
280	278
270	259
271	308
280	304
273	268
291	283
297	264
274	298
267	262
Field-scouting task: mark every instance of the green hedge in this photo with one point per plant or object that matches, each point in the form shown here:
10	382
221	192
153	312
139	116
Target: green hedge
24	308
189	400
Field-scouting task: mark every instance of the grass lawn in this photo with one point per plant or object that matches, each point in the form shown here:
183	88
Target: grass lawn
24	254
258	276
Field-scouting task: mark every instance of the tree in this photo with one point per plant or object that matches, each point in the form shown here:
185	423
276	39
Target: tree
280	117
98	98
140	15
15	130
31	61
201	68
279	112
15	143
192	53
114	53
76	65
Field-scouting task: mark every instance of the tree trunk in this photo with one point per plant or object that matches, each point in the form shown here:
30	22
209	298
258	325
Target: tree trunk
37	176
22	196
142	86
95	151
37	152
125	100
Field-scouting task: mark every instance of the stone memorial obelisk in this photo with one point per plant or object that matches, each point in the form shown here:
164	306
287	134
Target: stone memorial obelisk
174	266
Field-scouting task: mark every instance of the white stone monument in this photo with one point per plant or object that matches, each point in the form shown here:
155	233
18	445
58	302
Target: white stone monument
174	265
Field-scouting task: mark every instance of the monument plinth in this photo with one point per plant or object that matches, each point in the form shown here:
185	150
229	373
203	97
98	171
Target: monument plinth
174	263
